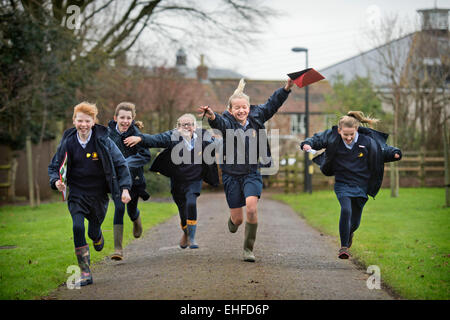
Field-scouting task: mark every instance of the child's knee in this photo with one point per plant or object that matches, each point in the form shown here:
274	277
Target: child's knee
237	221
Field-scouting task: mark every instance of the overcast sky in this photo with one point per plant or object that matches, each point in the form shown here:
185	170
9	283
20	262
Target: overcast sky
332	30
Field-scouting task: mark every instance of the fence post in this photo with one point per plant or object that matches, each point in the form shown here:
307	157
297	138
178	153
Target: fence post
394	177
422	166
30	170
296	171
446	164
286	174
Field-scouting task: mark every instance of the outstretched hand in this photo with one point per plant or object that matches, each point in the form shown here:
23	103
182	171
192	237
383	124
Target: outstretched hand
207	111
306	147
131	141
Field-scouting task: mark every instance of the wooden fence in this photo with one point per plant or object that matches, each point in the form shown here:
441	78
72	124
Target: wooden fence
416	169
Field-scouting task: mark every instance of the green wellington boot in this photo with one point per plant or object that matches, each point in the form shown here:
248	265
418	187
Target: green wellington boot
84	261
118	237
231	226
249	241
137	227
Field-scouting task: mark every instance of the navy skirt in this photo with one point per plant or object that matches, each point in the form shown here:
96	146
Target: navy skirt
348	190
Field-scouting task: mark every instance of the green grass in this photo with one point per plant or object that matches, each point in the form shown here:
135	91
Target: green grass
407	237
45	248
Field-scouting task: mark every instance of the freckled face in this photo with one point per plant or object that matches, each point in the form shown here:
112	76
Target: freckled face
239	109
347	134
124	119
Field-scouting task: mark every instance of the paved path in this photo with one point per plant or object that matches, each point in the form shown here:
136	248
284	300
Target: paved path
293	262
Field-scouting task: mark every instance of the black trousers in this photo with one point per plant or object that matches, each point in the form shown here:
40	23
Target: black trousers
90	207
351	211
185	195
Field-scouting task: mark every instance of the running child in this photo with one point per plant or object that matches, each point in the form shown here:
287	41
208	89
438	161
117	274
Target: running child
122	127
241	174
184	162
355	155
95	167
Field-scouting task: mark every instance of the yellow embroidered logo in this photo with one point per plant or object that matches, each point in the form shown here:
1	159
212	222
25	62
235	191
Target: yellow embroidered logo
94	155
360	155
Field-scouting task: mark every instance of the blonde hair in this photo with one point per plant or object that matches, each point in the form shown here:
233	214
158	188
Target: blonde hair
187	115
87	108
128	106
354	119
239	93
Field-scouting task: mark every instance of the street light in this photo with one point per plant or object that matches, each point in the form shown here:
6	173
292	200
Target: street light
308	183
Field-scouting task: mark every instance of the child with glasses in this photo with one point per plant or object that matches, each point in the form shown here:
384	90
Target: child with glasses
184	163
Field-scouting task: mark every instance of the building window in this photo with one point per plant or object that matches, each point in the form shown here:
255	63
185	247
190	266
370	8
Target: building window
298	123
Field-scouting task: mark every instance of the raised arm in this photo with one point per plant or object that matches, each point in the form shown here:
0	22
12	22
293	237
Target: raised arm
215	120
266	110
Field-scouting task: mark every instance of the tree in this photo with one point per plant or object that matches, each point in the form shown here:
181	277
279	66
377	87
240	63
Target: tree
356	94
50	49
32	86
414	69
110	28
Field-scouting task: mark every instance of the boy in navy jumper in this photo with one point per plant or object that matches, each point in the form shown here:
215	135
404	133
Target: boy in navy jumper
355	155
120	128
184	163
95	166
241	173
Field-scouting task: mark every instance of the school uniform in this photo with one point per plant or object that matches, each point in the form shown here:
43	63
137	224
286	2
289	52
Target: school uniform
186	177
95	168
242	177
358	169
137	157
92	172
241	174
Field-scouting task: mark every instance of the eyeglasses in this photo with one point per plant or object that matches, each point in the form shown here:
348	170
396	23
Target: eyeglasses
186	125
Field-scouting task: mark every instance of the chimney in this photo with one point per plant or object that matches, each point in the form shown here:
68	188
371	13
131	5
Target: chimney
202	70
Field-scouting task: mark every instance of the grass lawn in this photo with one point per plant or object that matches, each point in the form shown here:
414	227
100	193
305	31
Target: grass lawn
45	248
407	237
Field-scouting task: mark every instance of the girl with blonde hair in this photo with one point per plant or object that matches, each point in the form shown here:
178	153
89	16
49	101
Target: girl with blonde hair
355	155
243	181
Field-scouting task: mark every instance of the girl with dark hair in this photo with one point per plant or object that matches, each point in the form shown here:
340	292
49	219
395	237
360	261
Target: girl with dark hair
122	127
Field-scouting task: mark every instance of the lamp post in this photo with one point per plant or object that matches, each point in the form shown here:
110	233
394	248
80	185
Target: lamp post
308	164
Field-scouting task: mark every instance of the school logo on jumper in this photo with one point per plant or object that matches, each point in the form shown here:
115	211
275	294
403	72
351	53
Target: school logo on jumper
92	155
360	155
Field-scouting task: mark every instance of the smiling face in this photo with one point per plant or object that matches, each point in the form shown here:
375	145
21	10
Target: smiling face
83	123
347	134
240	109
124	119
186	126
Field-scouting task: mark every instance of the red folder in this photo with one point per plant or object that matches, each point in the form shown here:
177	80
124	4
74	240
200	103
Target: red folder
305	77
